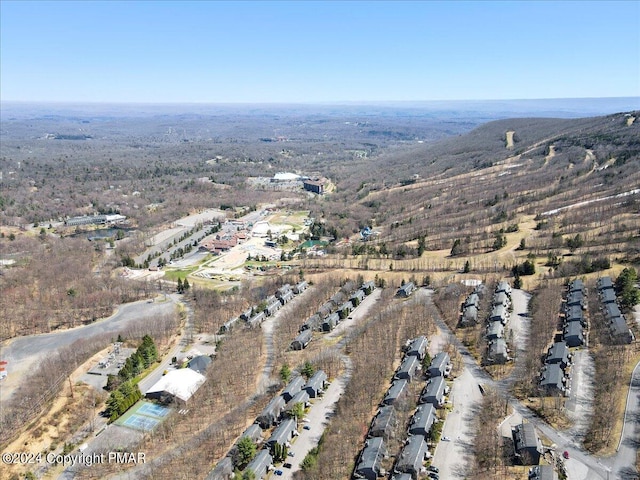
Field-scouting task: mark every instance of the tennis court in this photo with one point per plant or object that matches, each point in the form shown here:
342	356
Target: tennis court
140	423
143	416
153	410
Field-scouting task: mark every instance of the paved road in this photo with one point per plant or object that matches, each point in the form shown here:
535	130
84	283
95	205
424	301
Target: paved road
579	404
24	352
622	465
582	465
453	457
318	417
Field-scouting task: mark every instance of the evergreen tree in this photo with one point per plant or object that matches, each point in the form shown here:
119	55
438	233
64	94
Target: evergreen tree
112	383
114	405
246	451
308	370
285	373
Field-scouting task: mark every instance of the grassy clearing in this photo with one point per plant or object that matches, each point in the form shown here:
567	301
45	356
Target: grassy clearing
180	273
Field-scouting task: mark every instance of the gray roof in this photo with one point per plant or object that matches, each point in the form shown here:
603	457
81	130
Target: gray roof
302	340
500	298
395	390
222	471
261	463
316	383
576	285
575	298
503	286
573	329
312	323
346	306
552	376
608	296
358	294
256	320
495	330
199	363
542	472
371	458
526	436
472	299
423	419
470	314
271	412
611	311
300	286
558	353
274	307
283	289
383	421
440	361
337	298
574	313
301	397
326	309
499	312
408	367
498	349
370	285
285	297
418	346
526	443
619	327
254	432
412	455
604	283
406	289
283	432
330	322
434	391
402	476
293	387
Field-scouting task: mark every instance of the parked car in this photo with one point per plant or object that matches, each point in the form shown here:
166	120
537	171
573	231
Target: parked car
306	427
291	454
286	465
566	454
278	473
433	469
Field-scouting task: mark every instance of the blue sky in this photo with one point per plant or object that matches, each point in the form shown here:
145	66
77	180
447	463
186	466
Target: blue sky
307	52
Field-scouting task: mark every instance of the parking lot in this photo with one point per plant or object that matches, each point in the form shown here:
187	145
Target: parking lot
452	456
316	422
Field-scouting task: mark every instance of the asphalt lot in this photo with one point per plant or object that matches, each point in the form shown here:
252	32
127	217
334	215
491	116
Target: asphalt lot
453	456
356	316
519	321
317	418
23	353
579	405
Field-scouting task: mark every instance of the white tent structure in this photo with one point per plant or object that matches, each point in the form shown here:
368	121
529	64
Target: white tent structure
178	384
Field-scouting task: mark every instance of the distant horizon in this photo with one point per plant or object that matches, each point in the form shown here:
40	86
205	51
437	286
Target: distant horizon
316	52
323	103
